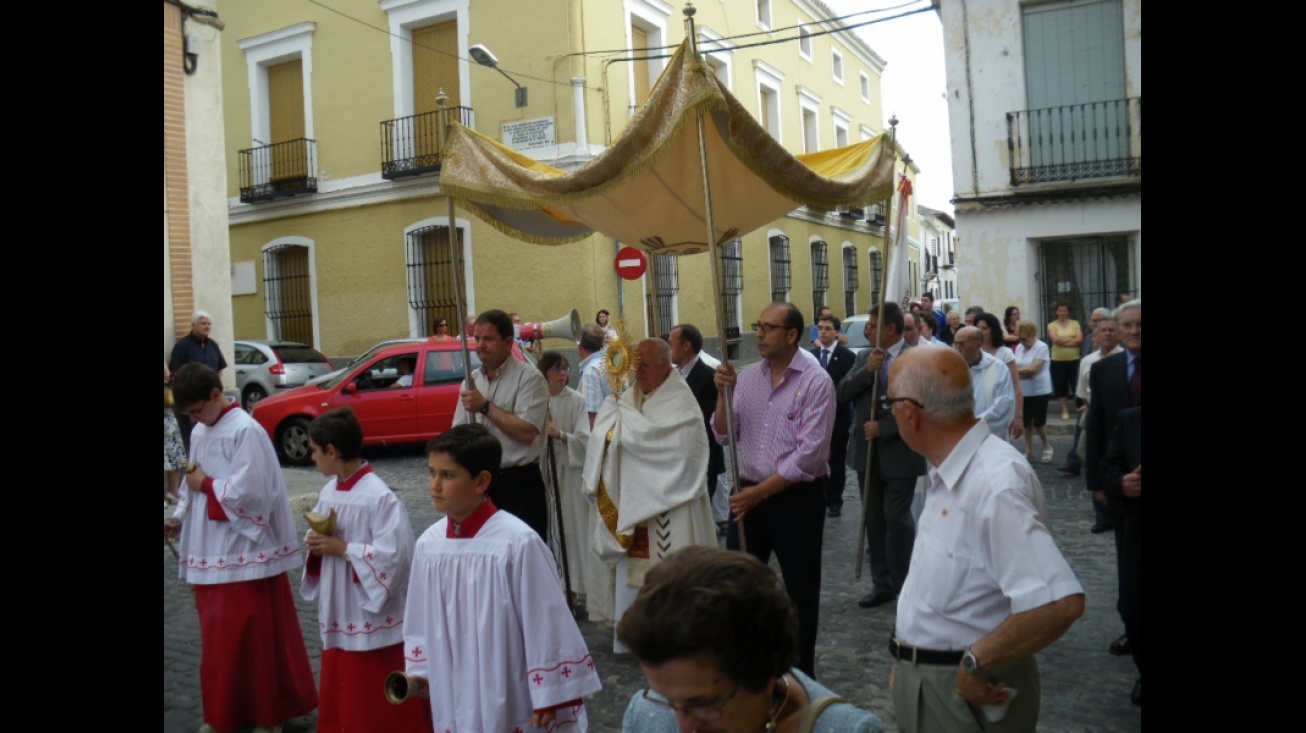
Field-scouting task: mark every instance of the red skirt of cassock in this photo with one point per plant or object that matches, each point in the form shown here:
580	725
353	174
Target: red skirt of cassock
253	667
353	694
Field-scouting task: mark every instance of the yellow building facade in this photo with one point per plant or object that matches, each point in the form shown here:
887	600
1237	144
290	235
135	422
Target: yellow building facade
338	228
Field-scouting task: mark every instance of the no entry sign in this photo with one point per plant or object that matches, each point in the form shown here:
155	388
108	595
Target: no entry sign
631	263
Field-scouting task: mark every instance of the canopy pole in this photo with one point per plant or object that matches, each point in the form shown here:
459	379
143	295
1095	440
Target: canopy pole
714	253
879	324
455	252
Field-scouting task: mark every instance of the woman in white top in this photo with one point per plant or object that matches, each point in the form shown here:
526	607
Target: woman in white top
993	345
1033	363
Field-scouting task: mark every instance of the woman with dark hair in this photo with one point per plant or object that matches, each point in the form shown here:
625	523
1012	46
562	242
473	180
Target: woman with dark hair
1033	362
716	637
993	345
602	318
568	431
1010	318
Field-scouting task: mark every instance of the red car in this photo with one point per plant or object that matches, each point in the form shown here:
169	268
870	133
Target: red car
403	394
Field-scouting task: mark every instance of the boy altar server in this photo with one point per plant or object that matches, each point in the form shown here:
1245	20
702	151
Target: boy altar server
487	625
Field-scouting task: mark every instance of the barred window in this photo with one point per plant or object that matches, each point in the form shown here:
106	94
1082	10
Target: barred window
850	281
662	282
432	282
732	285
287	292
779	269
877	275
820	275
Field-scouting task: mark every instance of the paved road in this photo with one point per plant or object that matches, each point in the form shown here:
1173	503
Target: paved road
1084	688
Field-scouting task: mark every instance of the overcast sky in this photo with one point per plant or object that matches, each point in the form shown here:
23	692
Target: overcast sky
913	88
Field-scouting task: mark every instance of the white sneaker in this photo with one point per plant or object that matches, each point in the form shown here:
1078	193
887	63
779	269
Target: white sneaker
1047	455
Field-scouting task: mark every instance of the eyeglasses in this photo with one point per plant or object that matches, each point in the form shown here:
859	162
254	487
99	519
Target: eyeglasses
441	325
698	711
767	327
890	401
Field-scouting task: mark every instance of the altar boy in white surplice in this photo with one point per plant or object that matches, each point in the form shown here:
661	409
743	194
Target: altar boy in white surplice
487	624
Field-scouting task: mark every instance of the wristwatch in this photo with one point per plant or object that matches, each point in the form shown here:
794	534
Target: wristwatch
970	663
485	409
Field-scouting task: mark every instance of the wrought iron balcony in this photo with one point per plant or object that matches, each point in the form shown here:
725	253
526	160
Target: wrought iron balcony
1076	142
410	146
275	171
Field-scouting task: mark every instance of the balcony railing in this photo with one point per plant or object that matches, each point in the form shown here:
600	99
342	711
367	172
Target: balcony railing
410	146
1076	142
274	171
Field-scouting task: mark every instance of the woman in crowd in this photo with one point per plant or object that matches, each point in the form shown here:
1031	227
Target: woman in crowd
992	344
716	636
174	451
568	430
1009	320
1066	337
602	319
440	330
1032	363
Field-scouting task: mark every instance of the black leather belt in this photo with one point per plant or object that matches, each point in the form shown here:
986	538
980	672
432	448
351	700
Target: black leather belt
509	470
922	656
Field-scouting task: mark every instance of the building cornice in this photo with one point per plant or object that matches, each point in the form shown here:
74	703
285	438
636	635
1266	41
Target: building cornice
1043	195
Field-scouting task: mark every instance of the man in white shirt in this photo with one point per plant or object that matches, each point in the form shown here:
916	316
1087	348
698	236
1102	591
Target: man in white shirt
593	385
995	398
511	398
988	587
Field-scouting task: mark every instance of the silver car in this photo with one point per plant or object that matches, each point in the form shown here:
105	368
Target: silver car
267	367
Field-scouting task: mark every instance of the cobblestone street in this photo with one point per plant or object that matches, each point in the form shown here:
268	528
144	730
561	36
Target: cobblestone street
1083	687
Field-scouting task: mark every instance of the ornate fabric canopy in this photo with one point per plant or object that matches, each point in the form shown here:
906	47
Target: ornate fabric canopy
646	190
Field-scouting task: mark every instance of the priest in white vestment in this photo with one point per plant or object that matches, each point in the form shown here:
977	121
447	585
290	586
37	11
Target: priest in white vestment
648	474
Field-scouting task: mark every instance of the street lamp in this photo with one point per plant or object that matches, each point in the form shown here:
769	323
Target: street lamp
481	55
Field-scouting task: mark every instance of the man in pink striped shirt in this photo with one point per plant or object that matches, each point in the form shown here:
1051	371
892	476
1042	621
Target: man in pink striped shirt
783	417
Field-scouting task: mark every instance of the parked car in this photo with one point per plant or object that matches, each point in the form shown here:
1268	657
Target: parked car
267	367
362	357
388	413
855	327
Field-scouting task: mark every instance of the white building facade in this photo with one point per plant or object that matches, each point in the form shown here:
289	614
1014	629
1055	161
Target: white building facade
1045	102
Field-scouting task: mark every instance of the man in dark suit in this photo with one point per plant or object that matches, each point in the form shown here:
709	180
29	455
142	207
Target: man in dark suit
837	360
890	529
686	343
1115	385
1122	477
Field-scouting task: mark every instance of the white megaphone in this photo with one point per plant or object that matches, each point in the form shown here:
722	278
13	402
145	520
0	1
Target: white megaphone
566	327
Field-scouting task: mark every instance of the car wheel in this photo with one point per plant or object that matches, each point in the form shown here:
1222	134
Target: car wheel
292	442
253	394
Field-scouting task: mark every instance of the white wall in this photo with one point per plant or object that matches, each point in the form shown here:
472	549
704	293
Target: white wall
998	260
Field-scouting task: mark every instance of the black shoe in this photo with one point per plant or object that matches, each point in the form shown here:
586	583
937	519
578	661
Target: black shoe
1099	529
834	512
1069	469
877	598
1136	694
1120	647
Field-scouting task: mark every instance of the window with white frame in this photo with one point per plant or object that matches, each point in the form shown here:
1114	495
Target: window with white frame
769	81
434	266
428	52
836	65
876	274
809	103
779	246
764	14
732	287
820	274
842	121
867	133
719	55
804	42
288	293
850	279
279	65
864	86
646	23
